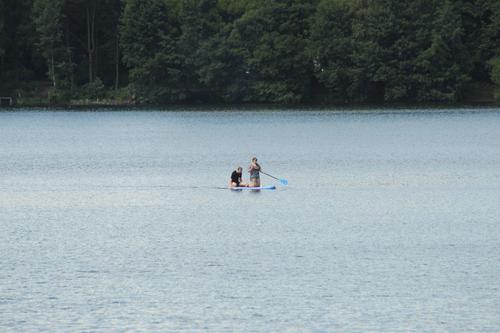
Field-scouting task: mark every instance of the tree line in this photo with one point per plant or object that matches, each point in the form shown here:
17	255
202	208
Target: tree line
255	51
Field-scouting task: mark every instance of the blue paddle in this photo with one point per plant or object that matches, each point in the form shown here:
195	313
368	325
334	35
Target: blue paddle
282	181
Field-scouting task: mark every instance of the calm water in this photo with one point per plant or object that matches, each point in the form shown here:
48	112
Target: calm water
113	221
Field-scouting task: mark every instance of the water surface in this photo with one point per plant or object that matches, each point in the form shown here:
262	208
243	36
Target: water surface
116	221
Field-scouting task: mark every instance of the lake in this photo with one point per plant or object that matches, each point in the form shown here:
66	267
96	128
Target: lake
119	221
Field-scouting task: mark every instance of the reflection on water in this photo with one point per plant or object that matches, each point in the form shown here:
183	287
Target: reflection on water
119	221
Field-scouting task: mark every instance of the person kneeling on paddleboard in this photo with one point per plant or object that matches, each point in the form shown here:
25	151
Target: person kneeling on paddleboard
254	171
236	178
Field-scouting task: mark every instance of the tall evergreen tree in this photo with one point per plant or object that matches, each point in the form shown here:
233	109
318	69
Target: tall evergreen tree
149	34
199	21
274	38
389	36
331	48
221	58
446	63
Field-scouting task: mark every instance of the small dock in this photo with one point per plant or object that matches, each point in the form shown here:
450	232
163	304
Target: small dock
6	101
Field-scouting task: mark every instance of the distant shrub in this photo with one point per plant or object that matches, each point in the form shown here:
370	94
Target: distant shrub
495	75
93	90
58	96
121	94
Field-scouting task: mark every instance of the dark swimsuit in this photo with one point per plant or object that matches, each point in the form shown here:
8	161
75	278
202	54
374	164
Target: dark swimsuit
254	172
236	178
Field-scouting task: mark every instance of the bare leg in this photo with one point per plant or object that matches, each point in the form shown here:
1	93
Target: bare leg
255	182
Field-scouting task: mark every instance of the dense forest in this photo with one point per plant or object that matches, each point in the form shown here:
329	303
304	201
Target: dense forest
249	51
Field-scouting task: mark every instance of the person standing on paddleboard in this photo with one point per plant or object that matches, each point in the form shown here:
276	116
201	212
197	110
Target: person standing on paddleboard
254	171
236	177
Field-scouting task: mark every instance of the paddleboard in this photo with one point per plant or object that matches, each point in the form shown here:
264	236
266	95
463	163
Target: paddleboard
270	187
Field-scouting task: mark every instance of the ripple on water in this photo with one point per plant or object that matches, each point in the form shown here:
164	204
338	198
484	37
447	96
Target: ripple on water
116	221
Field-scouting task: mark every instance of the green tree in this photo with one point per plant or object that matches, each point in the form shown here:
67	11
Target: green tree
2	37
113	45
477	17
222	69
17	52
91	39
48	18
495	75
446	63
490	44
389	36
331	48
200	21
149	33
491	40
273	37
2	27
279	51
221	58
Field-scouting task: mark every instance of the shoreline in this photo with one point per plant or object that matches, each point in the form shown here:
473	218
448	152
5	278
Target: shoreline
109	105
96	107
